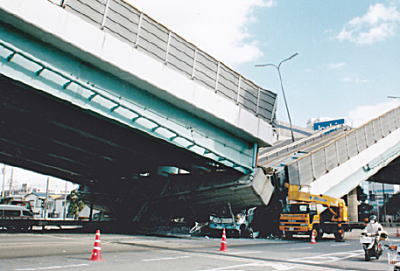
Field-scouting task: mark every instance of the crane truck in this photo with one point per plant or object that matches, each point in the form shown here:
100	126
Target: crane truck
308	214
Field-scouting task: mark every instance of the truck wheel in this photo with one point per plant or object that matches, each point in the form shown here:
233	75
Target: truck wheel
249	233
318	233
339	236
288	235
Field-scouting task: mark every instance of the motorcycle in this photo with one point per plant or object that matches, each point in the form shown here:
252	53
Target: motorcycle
371	245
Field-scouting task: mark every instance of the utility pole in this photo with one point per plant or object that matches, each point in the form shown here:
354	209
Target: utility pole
384	203
45	201
11	181
277	67
3	192
65	201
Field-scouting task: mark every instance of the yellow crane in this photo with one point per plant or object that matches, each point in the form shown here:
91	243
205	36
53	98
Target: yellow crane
305	214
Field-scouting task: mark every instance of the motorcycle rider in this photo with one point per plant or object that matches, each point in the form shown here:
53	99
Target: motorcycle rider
373	225
374	230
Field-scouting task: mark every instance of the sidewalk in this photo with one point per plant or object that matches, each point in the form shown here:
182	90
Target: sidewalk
357	232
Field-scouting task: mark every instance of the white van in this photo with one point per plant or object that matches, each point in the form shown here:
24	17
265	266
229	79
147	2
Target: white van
14	212
13	217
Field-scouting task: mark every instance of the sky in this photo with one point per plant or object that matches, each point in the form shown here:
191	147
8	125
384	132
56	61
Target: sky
348	58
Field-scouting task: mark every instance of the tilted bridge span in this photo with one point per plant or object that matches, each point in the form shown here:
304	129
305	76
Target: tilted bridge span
100	94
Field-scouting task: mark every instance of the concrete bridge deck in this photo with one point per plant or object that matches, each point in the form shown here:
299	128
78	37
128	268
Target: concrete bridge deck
98	93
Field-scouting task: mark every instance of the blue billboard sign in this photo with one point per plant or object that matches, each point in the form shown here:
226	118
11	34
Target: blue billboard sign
324	124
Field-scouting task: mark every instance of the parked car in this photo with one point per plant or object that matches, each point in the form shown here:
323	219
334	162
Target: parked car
235	225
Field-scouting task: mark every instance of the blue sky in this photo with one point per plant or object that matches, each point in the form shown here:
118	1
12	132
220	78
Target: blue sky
330	77
349	57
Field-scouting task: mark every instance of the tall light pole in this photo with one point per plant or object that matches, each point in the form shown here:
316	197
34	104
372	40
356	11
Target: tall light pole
3	194
283	90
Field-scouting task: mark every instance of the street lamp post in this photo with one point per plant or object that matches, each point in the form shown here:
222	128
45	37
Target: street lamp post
283	90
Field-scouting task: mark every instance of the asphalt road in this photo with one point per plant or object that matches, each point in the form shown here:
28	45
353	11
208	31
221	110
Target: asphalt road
56	251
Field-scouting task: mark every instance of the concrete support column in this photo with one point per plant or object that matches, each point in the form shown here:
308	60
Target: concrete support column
352	203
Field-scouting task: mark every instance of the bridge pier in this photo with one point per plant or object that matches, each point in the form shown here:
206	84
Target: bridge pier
352	203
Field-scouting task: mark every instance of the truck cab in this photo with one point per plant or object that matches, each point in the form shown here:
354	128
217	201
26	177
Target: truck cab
299	218
307	213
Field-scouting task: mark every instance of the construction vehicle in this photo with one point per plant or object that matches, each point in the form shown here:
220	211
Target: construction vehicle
309	214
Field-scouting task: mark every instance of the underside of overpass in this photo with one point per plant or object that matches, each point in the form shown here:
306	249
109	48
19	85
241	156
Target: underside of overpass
118	165
389	174
105	118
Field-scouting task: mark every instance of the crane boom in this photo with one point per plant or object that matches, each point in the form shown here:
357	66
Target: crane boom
294	193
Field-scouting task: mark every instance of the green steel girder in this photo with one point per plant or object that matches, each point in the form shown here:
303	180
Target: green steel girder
30	61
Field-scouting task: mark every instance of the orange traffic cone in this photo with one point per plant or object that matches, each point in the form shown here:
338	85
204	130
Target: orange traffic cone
224	246
313	241
96	252
398	232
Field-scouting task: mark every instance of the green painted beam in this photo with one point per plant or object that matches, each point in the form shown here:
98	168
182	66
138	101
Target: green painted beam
47	69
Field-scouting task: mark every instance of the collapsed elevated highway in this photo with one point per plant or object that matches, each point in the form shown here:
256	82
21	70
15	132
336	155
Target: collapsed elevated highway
147	123
336	160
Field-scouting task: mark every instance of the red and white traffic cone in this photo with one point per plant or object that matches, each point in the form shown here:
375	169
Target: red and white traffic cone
224	245
397	232
313	233
96	252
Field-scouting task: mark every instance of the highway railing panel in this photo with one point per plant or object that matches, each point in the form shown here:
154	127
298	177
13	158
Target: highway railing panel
90	10
122	22
341	150
331	157
266	156
361	139
130	25
313	165
318	164
369	134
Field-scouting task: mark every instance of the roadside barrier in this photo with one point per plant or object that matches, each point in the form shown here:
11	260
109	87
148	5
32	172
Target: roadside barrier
224	246
96	252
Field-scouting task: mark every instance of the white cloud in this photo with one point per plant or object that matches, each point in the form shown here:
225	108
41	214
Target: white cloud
217	27
364	113
354	80
335	66
379	23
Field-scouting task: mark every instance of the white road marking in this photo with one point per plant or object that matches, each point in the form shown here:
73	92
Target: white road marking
275	266
243	252
328	258
51	267
165	259
300	248
38	244
63	237
340	245
231	267
75	238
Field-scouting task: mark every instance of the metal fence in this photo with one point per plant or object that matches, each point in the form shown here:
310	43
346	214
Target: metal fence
266	155
145	34
310	167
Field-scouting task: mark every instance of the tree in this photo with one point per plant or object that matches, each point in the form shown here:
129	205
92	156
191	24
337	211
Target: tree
392	205
76	204
364	209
